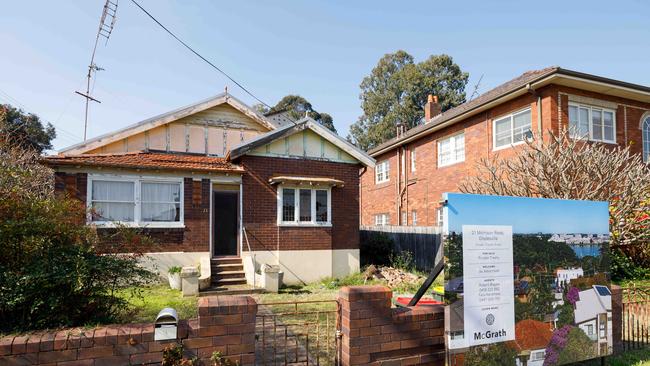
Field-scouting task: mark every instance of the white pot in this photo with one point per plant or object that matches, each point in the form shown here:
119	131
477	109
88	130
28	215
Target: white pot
174	280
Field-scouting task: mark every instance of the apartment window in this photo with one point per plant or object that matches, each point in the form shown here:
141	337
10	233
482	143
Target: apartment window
405	218
381	172
511	129
414	218
451	150
382	219
300	206
645	136
537	355
135	201
592	123
439	216
590	329
413	158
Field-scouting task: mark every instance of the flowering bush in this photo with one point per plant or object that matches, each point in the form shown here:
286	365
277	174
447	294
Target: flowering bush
573	295
568	345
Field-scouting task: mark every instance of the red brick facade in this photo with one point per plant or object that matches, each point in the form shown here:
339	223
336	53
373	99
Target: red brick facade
225	324
260	205
422	189
194	237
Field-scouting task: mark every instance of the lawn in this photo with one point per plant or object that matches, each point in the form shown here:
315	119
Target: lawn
145	303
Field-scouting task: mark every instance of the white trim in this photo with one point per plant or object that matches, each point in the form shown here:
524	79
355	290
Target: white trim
413	158
166	118
296	214
453	140
385	166
645	137
137	212
511	116
591	108
645	116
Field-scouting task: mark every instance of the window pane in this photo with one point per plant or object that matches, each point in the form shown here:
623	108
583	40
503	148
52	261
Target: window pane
597	124
608	122
584	122
161	212
112	191
112	211
288	204
161	192
460	147
646	139
574	123
522	124
305	205
321	206
502	132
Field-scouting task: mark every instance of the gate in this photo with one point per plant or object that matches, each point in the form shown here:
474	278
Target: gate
636	317
298	332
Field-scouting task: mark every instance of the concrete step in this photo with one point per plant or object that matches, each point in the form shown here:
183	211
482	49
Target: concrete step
228	274
225	260
231	290
228	267
228	281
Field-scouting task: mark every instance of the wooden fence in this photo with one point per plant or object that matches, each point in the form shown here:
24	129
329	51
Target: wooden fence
636	317
422	241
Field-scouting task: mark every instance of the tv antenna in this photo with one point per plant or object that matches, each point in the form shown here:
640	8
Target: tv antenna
106	25
476	87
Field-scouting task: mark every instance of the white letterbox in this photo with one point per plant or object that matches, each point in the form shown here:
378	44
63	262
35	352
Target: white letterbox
166	325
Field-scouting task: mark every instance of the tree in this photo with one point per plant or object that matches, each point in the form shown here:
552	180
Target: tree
498	354
568	345
562	167
396	91
296	108
26	129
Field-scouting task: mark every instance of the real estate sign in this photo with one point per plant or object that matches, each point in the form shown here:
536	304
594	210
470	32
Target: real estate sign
527	278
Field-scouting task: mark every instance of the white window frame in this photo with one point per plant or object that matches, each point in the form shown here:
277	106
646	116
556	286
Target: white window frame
645	136
538	355
137	214
414	217
453	139
382	168
382	219
590	110
296	216
512	129
413	155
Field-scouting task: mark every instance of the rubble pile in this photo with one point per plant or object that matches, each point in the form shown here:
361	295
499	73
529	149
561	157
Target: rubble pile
393	276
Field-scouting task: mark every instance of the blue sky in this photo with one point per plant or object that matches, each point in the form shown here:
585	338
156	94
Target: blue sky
318	49
528	215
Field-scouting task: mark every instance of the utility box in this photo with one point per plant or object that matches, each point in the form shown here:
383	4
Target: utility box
271	277
166	325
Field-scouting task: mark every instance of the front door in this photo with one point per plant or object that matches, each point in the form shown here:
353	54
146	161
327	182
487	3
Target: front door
224	223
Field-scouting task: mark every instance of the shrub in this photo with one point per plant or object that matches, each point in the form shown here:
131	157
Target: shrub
402	260
174	269
50	273
376	248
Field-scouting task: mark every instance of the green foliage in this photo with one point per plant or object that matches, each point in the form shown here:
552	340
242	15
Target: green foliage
624	268
541	297
25	129
50	273
396	91
173	356
526	252
498	354
376	249
523	310
402	260
144	303
578	347
567	315
218	360
454	256
174	269
296	107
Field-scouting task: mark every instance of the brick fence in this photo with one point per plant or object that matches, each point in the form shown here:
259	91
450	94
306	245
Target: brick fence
225	324
375	333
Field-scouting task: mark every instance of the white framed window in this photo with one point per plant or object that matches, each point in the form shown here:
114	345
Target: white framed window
451	150
440	216
512	129
405	218
413	160
592	123
299	206
414	218
382	219
135	201
645	136
382	171
538	355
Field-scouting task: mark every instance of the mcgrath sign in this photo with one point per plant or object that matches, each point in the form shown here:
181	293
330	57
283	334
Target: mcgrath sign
527	278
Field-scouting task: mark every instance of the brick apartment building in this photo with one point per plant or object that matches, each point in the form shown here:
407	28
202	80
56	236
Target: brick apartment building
414	169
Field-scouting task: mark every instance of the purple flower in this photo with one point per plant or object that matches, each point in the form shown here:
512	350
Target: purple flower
573	295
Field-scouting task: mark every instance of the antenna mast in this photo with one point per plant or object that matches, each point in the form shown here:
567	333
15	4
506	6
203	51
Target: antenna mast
106	24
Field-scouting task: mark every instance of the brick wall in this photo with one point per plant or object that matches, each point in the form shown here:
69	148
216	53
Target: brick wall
260	205
225	324
374	333
425	186
194	237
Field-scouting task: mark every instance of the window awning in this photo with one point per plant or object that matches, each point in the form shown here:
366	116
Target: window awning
314	181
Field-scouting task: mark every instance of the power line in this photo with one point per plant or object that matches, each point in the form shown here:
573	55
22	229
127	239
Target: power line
205	59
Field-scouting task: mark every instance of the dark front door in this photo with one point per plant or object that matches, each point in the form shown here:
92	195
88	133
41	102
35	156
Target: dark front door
224	224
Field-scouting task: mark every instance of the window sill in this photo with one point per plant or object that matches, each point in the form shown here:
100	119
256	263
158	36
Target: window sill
591	140
303	224
141	225
508	146
451	164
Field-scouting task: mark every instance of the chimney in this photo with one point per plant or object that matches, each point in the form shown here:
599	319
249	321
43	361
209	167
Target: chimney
432	108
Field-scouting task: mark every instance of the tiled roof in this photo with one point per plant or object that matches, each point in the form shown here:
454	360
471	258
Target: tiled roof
531	334
147	160
486	97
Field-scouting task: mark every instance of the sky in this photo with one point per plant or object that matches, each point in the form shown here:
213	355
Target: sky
527	215
318	49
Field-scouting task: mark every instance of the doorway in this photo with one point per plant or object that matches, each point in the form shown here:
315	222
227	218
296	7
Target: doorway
225	225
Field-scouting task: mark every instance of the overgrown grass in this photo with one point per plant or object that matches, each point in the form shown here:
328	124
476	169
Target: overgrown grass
146	302
628	358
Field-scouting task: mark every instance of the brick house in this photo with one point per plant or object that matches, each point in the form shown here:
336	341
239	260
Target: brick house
414	169
218	180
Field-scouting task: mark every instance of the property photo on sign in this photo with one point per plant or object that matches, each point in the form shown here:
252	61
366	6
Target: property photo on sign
526	279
